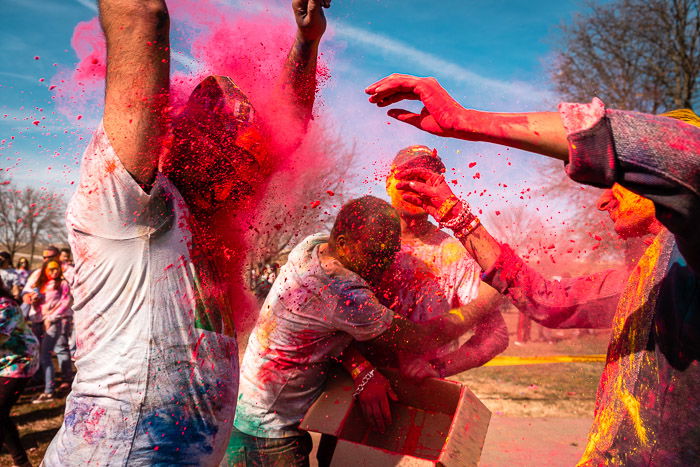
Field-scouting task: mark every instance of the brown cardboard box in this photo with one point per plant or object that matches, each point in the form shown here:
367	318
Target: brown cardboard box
436	422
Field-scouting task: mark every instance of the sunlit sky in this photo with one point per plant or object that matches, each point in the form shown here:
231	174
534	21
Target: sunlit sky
490	54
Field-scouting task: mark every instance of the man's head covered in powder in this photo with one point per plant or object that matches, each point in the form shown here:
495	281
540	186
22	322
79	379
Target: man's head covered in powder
409	157
218	155
634	215
366	236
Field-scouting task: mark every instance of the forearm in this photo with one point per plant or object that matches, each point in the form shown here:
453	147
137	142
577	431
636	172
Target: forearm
298	85
138	69
489	340
539	132
354	362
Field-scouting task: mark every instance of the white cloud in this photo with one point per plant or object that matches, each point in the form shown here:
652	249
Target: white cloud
89	4
434	65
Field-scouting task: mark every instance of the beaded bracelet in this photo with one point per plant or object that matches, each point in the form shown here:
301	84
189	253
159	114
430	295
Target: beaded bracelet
463	224
446	207
361	367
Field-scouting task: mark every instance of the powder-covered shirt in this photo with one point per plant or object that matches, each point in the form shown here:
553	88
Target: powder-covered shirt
430	276
312	313
19	348
433	275
55	302
10	278
157	365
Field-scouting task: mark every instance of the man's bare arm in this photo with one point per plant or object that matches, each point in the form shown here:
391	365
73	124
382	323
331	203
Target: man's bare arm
138	68
407	336
298	84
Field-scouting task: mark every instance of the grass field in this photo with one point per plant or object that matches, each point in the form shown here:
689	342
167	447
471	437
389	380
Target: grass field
539	390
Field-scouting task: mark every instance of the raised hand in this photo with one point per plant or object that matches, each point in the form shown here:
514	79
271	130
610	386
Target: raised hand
424	188
441	114
310	18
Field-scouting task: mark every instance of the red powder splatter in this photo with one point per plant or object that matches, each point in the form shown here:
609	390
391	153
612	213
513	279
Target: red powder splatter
330	192
476	176
472	164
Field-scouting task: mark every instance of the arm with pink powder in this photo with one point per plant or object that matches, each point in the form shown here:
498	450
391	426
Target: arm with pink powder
298	83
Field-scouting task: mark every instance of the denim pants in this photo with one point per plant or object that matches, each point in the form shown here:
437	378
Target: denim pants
252	451
56	338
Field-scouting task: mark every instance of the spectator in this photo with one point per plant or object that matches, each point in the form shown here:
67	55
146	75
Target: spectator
51	302
22	271
8	274
19	352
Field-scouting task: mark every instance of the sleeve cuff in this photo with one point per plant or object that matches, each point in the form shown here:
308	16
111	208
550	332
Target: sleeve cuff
591	147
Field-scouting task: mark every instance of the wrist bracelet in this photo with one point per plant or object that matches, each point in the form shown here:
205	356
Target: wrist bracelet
446	207
363	383
468	229
359	369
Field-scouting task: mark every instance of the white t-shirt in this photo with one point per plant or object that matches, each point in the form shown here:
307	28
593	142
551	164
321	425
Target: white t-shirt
157	360
431	276
312	313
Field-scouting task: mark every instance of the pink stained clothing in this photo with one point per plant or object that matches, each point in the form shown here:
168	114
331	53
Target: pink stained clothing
433	275
578	302
57	301
156	353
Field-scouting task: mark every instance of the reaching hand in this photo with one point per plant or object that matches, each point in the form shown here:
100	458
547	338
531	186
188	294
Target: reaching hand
374	401
419	369
310	18
424	188
441	113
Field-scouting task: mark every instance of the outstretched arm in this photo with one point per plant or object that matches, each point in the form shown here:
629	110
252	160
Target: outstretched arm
138	67
298	84
540	132
654	156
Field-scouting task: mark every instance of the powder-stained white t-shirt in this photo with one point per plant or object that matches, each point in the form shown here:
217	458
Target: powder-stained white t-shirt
312	313
156	357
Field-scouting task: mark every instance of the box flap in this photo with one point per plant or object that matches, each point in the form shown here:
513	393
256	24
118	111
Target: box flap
467	433
328	413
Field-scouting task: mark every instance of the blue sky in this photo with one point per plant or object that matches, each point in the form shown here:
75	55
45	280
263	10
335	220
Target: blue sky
489	54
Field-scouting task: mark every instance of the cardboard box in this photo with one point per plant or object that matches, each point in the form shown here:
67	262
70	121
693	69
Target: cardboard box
436	422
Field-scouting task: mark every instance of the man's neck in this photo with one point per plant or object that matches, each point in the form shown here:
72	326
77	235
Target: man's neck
415	226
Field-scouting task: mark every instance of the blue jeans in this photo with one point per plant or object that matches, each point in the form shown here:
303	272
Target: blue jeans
56	338
252	451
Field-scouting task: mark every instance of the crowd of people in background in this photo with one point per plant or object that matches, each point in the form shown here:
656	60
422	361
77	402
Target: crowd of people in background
36	322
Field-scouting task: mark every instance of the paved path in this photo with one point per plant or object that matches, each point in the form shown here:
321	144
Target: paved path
524	441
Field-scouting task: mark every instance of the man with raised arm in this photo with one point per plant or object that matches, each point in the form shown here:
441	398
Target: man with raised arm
647	405
157	358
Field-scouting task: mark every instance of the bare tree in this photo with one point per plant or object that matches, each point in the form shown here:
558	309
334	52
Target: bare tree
641	55
29	217
319	193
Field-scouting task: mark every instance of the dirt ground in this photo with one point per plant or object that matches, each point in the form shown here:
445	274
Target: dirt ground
540	412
